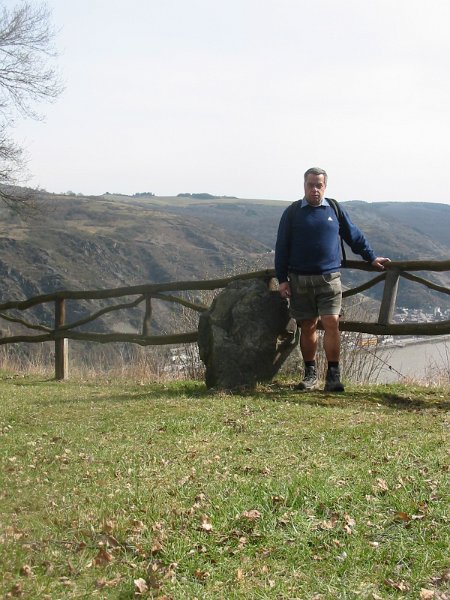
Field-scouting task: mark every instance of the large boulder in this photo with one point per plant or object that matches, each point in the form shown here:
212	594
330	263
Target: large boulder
245	336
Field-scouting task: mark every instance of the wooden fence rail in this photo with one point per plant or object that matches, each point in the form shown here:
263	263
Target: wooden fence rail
62	331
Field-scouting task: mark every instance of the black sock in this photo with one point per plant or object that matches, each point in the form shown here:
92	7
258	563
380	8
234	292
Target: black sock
310	363
333	364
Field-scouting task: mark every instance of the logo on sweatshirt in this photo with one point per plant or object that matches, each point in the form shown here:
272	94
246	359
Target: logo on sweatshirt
330	219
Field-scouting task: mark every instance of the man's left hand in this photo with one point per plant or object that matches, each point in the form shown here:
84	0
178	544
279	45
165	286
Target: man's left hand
379	262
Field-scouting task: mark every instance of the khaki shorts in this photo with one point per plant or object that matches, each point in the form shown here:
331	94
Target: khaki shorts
314	295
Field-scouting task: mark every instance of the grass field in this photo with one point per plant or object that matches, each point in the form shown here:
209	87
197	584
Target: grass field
118	490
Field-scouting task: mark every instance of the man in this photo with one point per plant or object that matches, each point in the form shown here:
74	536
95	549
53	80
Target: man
307	263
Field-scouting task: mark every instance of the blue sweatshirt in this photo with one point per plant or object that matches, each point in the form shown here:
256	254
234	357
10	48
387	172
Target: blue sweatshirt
308	243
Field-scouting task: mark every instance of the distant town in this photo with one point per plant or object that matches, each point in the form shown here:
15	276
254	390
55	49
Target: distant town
417	315
402	315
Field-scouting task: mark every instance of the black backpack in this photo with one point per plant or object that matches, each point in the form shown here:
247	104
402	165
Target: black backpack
338	212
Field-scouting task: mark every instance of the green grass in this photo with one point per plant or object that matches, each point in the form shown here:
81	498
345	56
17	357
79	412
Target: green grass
268	495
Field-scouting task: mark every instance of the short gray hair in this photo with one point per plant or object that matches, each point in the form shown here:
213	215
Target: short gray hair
316	171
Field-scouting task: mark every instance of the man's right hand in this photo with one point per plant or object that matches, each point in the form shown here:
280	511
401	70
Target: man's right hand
285	289
380	262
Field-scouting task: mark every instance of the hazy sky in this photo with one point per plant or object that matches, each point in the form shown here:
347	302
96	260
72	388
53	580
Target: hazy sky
239	97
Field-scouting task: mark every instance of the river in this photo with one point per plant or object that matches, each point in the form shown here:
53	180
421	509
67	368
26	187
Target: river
425	360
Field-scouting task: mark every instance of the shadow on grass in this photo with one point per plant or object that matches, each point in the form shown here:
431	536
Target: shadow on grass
400	402
407	399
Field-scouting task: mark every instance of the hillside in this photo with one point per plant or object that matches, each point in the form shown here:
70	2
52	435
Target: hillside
106	242
75	242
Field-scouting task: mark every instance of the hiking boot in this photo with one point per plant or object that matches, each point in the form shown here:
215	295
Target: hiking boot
309	380
333	380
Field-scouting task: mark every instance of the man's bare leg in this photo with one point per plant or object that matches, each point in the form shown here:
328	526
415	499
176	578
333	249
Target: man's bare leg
332	346
308	339
331	337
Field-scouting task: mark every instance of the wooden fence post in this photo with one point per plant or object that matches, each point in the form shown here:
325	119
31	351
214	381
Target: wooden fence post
146	327
387	307
61	344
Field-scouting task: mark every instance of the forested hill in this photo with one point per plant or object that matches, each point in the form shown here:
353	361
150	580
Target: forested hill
77	242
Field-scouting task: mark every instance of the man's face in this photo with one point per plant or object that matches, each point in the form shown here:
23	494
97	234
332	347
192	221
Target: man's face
315	189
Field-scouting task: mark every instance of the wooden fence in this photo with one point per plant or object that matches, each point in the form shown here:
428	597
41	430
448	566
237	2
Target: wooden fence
62	331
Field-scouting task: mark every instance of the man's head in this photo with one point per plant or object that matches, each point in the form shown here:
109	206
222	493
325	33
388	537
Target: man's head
315	185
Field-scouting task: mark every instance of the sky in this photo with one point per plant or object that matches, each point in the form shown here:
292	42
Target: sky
240	97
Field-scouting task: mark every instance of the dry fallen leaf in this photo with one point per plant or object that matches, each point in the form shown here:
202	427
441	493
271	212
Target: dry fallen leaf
140	586
184	480
349	520
199	548
205	524
251	515
170	571
109	540
201	575
14	533
441	579
108	583
348	530
103	558
402	516
138	526
108	526
239	575
16	590
380	486
242	542
400	586
26	571
330	524
426	594
284	519
156	547
278	499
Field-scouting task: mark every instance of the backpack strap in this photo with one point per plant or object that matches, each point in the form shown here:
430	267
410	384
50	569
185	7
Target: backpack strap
337	211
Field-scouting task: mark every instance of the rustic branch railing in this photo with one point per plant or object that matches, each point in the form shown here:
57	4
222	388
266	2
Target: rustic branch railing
62	331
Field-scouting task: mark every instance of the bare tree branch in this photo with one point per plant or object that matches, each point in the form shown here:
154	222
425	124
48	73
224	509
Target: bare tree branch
27	76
